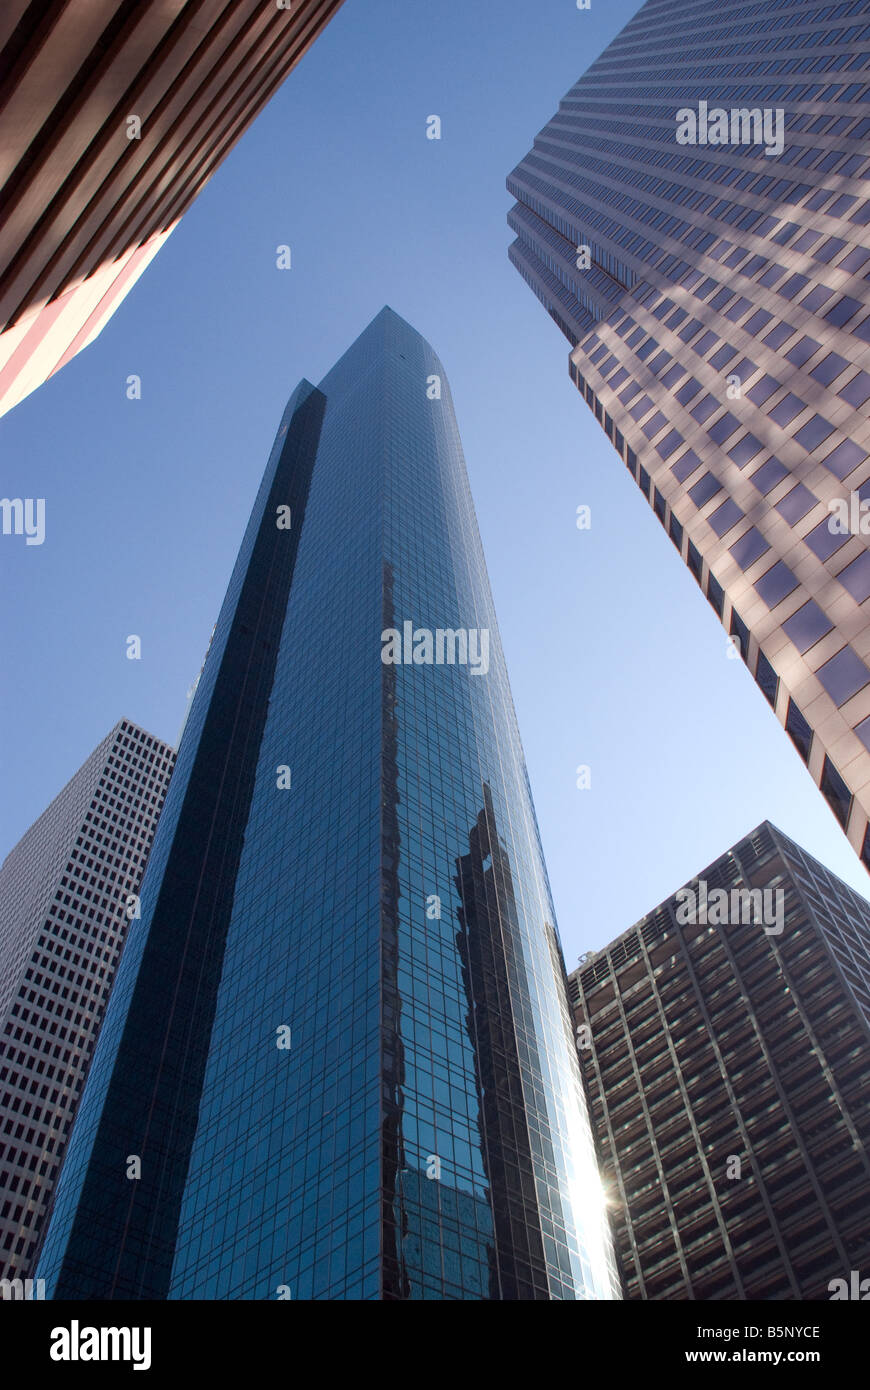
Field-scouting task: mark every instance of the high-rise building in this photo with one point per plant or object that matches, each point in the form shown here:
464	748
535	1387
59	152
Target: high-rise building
338	1062
725	1046
696	219
114	118
67	900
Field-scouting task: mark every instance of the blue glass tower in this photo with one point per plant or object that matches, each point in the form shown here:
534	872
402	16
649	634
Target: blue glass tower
338	1062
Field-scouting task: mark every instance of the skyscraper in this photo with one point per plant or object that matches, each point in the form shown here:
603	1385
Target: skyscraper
114	119
67	898
338	1062
727	1062
696	219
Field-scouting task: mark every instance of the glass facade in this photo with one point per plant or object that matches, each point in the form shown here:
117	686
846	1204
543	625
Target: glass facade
340	1040
719	321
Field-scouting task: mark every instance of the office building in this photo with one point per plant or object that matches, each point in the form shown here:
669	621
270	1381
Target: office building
338	1062
67	901
114	118
696	219
725	1046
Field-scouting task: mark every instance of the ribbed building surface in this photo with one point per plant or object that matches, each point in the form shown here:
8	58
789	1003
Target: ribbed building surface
88	201
65	900
727	1065
721	331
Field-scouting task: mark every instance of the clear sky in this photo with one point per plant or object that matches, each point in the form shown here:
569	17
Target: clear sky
615	658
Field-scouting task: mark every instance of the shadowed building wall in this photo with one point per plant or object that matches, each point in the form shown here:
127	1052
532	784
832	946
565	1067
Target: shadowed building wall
86	207
727	1064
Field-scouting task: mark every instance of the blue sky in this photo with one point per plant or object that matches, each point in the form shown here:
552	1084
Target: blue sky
615	658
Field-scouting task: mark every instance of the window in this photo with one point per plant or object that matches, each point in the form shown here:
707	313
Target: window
799	731
865	849
692	328
722	357
817	296
856	391
776	584
687	391
863	732
759	320
655	423
807	626
723	428
738	309
715	594
844	458
813	433
749	548
744	450
829	369
673	375
671	441
844	675
778	335
843	311
803	351
796	503
685	466
856	577
741	632
705	488
822	541
829	249
763	390
854	261
695	561
792	286
785	410
704	409
770	276
836	793
725	517
766	679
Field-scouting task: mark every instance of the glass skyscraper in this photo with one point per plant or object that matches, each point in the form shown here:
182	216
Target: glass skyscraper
727	1064
696	219
338	1062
